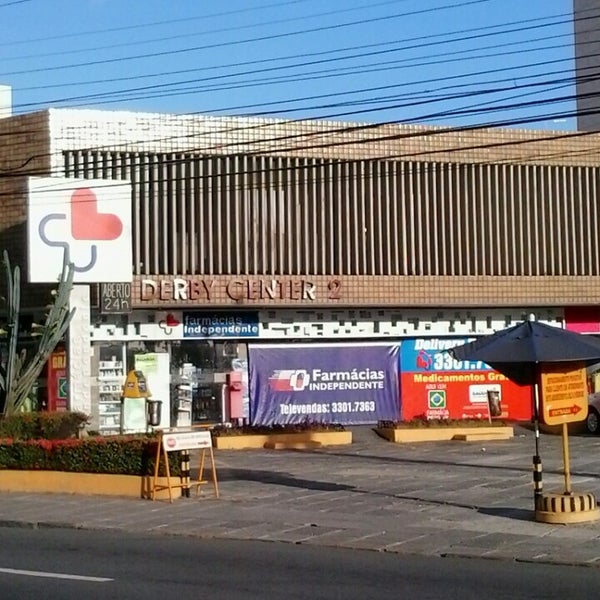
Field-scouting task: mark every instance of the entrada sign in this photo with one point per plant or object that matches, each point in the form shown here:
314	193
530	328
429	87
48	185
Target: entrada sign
238	289
564	393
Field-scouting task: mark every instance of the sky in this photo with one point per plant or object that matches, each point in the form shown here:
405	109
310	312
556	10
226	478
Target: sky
442	62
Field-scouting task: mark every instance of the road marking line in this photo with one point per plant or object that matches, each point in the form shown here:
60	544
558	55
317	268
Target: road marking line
54	575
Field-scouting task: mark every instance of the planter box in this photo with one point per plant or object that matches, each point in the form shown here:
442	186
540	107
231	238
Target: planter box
60	482
440	434
305	439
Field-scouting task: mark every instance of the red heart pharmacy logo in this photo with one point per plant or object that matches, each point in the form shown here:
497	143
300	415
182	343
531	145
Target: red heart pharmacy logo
89	224
171	321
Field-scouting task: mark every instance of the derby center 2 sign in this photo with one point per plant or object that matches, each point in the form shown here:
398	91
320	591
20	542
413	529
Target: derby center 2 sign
564	393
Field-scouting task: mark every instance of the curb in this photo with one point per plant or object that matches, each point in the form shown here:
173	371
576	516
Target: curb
39	525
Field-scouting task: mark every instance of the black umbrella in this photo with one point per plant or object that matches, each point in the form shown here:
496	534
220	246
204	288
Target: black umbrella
518	352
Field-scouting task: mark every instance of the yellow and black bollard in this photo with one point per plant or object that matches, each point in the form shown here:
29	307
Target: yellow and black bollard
184	462
537	481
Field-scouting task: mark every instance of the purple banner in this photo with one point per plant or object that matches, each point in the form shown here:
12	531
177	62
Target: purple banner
326	383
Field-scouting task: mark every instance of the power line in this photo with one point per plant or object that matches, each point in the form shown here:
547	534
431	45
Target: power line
391	86
87	33
196	34
345	128
338	71
513	79
429	39
13	3
465	94
281	80
529	121
398	136
336	26
212	88
311	163
515	122
315	76
237	87
460	76
428	94
230	130
312	75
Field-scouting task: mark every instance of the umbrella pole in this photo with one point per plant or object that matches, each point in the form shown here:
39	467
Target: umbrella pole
567	468
537	459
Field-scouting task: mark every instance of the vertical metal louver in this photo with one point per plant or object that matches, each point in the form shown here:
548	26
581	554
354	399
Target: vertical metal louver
273	216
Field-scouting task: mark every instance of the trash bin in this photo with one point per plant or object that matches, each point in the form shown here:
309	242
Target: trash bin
153	409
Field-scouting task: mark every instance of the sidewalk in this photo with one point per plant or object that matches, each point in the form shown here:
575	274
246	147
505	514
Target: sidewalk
450	498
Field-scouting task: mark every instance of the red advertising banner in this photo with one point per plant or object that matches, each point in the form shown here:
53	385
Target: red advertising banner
583	319
57	381
436	386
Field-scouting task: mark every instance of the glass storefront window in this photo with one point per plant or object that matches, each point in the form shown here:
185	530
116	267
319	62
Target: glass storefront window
188	376
205	364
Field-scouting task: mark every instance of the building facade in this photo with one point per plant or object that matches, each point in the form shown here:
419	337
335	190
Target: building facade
251	233
587	63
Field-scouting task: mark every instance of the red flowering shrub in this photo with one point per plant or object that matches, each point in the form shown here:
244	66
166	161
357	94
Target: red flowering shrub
126	455
42	425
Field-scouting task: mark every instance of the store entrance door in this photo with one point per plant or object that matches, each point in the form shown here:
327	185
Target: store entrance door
204	365
206	403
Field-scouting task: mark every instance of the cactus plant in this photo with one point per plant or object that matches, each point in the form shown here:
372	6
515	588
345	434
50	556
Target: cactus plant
22	369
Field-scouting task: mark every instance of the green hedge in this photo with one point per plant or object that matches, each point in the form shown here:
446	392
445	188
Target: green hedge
115	455
425	423
42	425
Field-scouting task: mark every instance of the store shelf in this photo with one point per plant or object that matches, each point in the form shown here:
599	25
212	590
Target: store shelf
184	405
111	376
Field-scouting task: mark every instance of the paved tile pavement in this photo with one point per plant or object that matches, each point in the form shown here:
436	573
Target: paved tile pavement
444	498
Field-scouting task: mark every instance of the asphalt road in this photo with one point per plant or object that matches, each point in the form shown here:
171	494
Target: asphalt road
68	564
